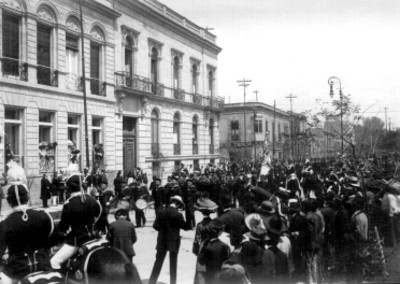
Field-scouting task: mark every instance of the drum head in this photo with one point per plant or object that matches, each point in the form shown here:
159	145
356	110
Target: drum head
141	204
123	204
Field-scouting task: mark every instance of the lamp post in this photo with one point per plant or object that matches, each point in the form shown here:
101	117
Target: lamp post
332	81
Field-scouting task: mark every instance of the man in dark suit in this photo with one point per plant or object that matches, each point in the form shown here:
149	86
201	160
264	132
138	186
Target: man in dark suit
233	221
168	223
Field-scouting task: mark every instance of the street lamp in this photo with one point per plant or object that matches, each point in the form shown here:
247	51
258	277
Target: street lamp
332	81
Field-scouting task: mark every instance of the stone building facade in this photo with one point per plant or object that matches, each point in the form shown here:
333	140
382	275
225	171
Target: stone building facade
146	67
287	134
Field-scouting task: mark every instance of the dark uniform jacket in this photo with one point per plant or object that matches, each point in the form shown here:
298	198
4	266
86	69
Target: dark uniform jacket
80	217
168	224
45	189
27	242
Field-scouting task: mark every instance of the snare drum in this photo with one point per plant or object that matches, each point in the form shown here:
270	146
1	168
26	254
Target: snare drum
141	204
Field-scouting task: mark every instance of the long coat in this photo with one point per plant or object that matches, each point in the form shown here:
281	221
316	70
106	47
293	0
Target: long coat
45	192
168	224
123	236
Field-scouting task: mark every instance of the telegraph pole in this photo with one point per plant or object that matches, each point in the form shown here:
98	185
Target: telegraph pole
273	133
255	140
84	87
244	83
386	124
291	97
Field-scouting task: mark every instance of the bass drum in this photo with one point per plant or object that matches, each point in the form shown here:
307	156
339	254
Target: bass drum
141	204
123	204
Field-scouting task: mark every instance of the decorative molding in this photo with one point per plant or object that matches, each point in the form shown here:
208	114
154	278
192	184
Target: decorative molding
154	43
73	24
175	52
13	4
194	60
97	34
211	68
44	14
134	34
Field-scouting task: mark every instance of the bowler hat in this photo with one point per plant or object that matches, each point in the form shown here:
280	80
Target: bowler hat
267	207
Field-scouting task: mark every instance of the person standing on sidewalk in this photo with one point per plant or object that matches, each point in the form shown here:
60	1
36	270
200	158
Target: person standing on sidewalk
168	223
45	190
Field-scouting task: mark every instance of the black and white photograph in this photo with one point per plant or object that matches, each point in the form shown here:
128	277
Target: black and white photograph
199	141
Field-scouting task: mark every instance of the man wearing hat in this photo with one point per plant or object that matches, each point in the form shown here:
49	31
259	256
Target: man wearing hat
168	223
25	233
233	221
122	233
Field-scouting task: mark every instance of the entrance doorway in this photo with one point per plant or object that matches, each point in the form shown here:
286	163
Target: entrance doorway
129	144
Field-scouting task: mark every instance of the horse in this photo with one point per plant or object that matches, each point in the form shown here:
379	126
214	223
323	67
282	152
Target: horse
100	265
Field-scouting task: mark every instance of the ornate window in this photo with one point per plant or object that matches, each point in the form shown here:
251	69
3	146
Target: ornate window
97	87
211	133
97	142
155	49
235	130
13	140
74	142
211	80
47	146
44	50
155	124
129	43
177	133
195	72
11	45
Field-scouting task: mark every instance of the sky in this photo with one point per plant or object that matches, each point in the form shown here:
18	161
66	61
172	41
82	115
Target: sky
294	46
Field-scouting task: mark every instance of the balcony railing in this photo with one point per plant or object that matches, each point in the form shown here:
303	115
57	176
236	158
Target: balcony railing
47	76
74	82
235	137
157	89
97	87
212	149
177	149
14	68
195	148
197	99
155	149
179	94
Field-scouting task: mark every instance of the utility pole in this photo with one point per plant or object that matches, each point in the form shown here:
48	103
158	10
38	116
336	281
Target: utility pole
255	141
273	133
386	124
244	83
291	97
84	87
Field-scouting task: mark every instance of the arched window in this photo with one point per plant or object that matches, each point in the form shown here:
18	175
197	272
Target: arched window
195	76
176	75
195	127
129	56
154	65
177	134
211	133
211	83
155	123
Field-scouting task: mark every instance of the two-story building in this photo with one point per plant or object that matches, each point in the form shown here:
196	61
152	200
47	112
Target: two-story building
150	82
247	126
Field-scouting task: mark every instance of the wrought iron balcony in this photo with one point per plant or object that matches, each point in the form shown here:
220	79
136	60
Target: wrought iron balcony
97	87
133	81
212	148
155	149
195	148
177	149
197	99
157	89
74	82
47	76
179	94
14	68
235	137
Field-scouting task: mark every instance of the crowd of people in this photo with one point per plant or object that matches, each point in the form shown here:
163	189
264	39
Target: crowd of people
278	222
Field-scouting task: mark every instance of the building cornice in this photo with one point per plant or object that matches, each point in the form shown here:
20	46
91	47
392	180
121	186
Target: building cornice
160	18
100	8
